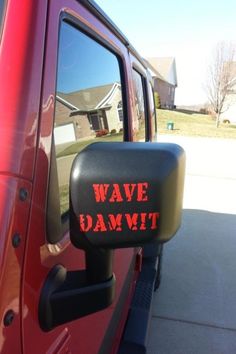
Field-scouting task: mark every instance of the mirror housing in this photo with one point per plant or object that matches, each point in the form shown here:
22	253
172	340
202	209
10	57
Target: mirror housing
121	195
126	194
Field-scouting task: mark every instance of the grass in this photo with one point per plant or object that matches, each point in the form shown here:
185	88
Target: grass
64	198
76	147
193	124
186	123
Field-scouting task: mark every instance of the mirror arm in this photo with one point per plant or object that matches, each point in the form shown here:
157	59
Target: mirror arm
69	295
99	264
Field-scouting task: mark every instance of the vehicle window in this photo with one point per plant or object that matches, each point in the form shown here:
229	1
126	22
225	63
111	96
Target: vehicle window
139	120
152	110
89	105
2	6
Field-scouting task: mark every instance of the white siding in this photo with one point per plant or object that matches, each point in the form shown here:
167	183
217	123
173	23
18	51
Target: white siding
230	113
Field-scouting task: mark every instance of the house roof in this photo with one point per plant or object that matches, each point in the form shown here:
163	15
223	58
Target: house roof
165	67
153	70
88	99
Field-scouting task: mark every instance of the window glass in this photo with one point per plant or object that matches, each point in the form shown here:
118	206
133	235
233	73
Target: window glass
139	122
120	111
2	5
89	104
152	110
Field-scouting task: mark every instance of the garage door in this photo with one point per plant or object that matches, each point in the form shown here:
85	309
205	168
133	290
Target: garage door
64	134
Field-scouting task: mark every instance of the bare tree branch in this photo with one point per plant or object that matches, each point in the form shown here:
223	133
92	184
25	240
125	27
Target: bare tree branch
221	78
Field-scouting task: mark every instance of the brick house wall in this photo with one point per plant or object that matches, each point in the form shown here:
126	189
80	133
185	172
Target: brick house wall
80	121
166	92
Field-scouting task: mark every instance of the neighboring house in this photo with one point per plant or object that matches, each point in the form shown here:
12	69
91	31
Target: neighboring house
82	113
163	71
229	111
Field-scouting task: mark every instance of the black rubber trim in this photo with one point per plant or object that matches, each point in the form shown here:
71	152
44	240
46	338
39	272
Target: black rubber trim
102	16
67	296
135	336
118	312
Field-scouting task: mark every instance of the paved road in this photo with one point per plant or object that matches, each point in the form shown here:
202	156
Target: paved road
194	311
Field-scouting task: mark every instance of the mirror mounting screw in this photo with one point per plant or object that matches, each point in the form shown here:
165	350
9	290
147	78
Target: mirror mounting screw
16	240
8	318
23	194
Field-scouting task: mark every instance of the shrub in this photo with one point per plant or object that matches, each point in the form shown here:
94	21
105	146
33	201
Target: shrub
113	131
157	100
101	132
205	110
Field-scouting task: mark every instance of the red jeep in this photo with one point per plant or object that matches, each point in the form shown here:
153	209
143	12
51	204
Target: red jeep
86	199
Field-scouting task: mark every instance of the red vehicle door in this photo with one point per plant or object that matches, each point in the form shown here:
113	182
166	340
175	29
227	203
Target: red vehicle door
83	99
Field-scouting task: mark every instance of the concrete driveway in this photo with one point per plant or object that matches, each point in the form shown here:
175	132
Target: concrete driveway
194	311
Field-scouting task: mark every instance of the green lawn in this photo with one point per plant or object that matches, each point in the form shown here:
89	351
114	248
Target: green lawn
188	124
193	124
76	147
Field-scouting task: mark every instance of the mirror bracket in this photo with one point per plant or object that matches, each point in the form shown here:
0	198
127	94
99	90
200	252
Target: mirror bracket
69	295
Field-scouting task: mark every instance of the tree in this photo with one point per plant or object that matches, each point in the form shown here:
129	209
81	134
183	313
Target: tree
157	100
221	79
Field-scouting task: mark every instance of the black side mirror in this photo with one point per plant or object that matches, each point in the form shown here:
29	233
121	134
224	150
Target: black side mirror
121	195
126	194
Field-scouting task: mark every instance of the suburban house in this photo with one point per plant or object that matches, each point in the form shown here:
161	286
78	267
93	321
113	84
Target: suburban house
81	114
229	110
163	71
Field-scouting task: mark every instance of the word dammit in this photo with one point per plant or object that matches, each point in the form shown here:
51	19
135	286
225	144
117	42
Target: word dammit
115	193
118	222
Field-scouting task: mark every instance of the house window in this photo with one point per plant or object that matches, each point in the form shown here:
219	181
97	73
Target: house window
87	92
96	121
120	111
139	125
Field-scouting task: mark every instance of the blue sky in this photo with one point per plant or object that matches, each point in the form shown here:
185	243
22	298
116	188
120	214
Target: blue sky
82	61
187	30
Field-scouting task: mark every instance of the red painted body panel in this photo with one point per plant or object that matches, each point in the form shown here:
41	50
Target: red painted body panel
14	215
87	334
21	53
28	61
21	59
